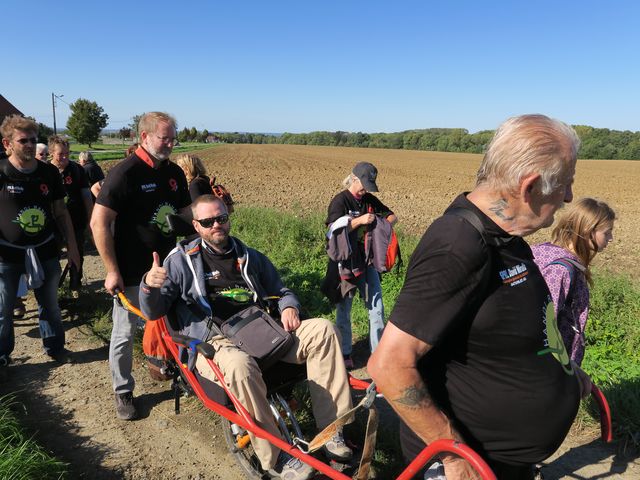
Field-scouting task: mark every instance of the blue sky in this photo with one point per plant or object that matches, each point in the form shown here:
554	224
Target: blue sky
299	66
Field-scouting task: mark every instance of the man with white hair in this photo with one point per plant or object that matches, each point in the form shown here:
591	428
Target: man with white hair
42	152
472	350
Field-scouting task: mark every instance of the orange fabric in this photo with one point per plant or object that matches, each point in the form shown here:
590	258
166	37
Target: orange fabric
393	251
144	156
152	342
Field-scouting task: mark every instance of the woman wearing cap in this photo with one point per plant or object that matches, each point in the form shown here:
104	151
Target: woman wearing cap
358	208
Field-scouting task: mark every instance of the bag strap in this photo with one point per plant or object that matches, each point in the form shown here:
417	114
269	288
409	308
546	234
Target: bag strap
473	218
571	265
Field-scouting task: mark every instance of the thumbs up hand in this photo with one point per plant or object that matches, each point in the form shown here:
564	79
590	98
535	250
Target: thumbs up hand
157	275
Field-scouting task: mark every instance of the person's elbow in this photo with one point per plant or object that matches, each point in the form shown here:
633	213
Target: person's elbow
380	367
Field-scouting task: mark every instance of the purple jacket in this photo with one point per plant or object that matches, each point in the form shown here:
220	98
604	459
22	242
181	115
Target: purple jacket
571	301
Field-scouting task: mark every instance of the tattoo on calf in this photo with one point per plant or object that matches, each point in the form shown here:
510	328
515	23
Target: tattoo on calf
414	397
499	207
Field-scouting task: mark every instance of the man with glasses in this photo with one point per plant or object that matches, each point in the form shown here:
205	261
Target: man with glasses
136	198
203	280
31	202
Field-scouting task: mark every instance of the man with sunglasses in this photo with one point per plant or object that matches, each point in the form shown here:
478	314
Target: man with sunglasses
31	202
135	199
215	276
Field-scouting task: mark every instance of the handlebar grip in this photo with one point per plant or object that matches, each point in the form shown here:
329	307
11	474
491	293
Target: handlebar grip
203	348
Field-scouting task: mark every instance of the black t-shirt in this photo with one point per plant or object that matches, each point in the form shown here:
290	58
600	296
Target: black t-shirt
344	203
94	172
75	180
142	196
199	186
26	212
498	366
222	274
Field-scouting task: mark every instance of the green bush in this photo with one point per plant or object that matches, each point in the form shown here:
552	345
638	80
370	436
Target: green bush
612	356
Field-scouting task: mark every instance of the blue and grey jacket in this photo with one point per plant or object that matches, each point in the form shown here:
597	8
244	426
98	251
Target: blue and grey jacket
184	289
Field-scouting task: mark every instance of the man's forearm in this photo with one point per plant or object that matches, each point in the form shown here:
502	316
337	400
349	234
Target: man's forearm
408	396
104	243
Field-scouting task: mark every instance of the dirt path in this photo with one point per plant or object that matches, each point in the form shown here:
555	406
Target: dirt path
70	409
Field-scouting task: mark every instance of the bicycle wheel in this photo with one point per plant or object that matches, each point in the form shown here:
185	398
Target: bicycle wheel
245	456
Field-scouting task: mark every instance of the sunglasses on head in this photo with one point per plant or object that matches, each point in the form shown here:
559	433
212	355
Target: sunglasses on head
209	222
24	141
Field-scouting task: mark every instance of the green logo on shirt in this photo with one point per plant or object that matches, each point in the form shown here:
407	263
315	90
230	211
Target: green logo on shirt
554	342
32	220
160	218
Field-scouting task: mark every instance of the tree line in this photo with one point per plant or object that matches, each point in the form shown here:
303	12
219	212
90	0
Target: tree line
600	143
88	119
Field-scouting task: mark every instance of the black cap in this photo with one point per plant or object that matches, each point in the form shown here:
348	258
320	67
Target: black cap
367	174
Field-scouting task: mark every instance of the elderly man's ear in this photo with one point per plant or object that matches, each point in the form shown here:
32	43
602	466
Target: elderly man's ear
528	186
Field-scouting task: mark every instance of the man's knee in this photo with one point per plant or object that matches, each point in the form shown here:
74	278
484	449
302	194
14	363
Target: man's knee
237	365
320	329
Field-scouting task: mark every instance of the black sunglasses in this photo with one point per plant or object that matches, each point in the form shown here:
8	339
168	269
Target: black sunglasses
209	222
24	141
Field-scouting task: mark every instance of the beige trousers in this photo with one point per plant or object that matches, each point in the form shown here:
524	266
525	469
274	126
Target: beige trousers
317	344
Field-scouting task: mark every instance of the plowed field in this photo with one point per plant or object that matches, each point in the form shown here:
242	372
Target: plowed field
416	185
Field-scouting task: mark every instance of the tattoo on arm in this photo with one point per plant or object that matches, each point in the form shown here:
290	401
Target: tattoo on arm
498	209
415	396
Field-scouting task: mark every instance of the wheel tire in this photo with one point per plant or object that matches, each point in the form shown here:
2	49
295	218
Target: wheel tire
245	457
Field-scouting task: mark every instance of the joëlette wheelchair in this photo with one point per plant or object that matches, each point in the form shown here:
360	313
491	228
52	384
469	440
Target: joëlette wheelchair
237	422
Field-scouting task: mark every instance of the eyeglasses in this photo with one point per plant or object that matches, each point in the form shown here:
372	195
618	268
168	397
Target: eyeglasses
209	222
171	140
24	141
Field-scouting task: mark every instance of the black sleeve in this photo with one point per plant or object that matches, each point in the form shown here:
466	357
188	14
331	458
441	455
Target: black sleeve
183	189
81	176
199	186
446	273
113	193
337	208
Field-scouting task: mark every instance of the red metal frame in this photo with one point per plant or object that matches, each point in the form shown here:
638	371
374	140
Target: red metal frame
244	420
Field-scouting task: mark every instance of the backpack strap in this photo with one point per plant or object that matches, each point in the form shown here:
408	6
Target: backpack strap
572	266
473	218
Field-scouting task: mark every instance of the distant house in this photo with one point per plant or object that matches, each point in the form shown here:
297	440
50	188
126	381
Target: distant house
7	108
212	139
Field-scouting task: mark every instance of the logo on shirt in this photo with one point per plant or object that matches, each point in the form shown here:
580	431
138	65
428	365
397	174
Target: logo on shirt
215	275
15	189
31	219
514	275
44	188
173	185
68	180
553	339
148	187
159	218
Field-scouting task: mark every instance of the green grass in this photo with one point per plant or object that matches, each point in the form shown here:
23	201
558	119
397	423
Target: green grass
295	244
20	457
103	151
612	356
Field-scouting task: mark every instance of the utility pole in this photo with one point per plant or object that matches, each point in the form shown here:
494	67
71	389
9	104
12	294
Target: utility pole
53	104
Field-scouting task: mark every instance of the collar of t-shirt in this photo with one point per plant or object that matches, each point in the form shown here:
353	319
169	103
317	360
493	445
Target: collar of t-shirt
146	157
